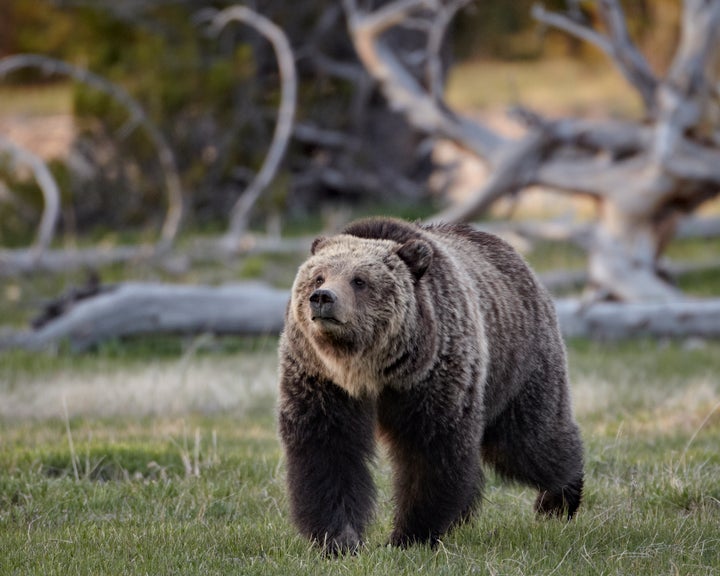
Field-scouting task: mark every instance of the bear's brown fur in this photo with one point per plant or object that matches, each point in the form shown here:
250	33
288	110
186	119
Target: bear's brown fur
442	340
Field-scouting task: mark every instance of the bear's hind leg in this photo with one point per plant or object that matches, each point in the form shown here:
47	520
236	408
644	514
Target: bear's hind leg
437	474
562	502
539	445
432	496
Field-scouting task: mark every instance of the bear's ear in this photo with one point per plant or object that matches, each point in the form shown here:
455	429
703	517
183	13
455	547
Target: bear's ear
317	244
417	254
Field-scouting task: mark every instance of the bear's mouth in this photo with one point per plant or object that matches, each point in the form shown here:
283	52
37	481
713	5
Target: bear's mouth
329	320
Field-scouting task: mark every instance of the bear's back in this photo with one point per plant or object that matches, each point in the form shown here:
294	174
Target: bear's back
518	313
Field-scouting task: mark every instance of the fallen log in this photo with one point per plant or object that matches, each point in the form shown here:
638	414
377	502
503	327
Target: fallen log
134	309
617	320
59	261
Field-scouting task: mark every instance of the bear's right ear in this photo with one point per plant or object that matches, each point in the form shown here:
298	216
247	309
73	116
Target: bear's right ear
417	254
317	244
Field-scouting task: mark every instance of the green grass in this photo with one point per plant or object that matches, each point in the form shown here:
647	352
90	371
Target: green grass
552	86
40	99
199	489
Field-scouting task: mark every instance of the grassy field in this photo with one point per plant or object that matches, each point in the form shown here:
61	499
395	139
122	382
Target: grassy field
130	462
552	86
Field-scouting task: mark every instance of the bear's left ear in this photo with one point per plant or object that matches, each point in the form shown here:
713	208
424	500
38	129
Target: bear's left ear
317	244
417	254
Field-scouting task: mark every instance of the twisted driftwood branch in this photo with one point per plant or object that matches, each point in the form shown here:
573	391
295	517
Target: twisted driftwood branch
50	192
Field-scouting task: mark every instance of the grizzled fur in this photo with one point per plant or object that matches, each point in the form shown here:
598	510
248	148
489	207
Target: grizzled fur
440	340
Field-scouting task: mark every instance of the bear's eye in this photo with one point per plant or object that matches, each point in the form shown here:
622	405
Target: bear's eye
358	283
319	280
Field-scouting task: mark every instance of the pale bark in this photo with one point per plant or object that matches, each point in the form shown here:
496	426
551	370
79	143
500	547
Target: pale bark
58	261
613	321
134	309
28	261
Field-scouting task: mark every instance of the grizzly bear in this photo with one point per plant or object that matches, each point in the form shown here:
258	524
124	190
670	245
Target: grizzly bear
440	341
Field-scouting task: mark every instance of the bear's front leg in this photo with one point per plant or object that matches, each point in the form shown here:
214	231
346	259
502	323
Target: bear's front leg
328	438
436	459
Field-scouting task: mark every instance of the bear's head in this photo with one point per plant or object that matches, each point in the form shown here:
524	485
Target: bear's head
354	295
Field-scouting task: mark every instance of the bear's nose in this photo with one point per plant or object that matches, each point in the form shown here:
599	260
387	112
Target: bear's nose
322	297
322	304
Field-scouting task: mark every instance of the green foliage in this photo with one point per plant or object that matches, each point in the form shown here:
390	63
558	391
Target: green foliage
34	27
14	227
704	283
506	30
214	98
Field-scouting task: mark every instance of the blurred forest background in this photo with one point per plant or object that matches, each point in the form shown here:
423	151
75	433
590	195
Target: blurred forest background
190	109
215	100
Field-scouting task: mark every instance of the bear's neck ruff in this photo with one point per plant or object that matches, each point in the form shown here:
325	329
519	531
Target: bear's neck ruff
361	372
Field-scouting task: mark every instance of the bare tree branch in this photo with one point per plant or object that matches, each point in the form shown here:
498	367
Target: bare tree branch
689	92
402	90
512	172
49	189
137	117
698	227
630	60
570	26
643	176
286	112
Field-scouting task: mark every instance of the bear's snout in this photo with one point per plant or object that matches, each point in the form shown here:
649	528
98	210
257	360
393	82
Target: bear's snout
322	304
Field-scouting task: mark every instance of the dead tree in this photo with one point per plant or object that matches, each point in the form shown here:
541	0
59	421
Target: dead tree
645	175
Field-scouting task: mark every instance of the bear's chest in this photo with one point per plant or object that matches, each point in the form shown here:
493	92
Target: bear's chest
358	376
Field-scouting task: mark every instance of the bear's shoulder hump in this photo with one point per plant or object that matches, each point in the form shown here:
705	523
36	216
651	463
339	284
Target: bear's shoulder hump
383	228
